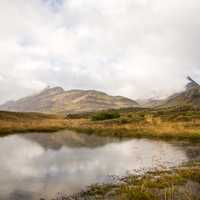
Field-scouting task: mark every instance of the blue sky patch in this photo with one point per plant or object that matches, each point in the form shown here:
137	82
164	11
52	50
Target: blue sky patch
55	5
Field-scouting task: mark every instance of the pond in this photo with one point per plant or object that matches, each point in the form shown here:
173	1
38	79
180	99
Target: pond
41	165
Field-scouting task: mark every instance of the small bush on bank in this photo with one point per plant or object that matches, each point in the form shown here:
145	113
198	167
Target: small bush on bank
105	116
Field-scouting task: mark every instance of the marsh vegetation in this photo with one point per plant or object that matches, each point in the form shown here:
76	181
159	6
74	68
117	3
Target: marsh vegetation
182	123
166	123
177	122
182	183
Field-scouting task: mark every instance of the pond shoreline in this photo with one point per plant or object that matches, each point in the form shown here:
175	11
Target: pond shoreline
177	183
67	162
120	133
166	125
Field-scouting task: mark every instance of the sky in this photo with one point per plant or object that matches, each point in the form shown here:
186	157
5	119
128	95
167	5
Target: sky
135	48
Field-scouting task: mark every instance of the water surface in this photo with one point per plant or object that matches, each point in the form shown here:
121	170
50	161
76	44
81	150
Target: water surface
46	165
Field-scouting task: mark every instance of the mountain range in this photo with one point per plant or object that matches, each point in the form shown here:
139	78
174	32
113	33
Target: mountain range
57	100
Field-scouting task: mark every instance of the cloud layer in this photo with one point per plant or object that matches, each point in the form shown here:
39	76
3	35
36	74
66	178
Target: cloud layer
136	48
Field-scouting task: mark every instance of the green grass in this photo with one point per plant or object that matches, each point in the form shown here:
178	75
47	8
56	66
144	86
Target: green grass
100	116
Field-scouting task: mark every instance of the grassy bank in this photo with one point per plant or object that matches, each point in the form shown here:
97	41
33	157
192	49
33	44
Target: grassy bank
171	123
182	183
168	123
13	122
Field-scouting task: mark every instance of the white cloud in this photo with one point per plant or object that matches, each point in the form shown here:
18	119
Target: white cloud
136	48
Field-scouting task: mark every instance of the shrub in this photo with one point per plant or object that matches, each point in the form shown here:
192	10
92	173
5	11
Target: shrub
105	116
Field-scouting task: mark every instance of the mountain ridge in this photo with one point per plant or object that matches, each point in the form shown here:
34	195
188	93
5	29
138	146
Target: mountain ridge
190	96
57	100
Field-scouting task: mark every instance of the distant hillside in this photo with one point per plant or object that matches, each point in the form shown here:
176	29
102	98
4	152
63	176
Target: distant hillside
151	103
57	100
191	96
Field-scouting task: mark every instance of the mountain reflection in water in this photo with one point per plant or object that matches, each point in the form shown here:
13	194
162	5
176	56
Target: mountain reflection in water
43	165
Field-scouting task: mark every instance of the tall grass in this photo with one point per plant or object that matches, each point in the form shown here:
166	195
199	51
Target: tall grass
29	122
181	183
178	123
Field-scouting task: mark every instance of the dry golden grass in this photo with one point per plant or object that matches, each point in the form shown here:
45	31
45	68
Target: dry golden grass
183	123
179	130
181	183
11	122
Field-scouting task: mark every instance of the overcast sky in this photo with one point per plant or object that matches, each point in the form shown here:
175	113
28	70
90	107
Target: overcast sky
135	48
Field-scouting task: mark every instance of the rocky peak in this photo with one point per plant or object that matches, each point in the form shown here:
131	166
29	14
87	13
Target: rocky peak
55	90
192	84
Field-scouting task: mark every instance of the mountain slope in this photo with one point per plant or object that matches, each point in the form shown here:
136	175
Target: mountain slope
191	96
57	100
150	103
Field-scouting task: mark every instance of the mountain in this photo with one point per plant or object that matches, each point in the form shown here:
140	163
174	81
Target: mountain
57	100
150	103
190	96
